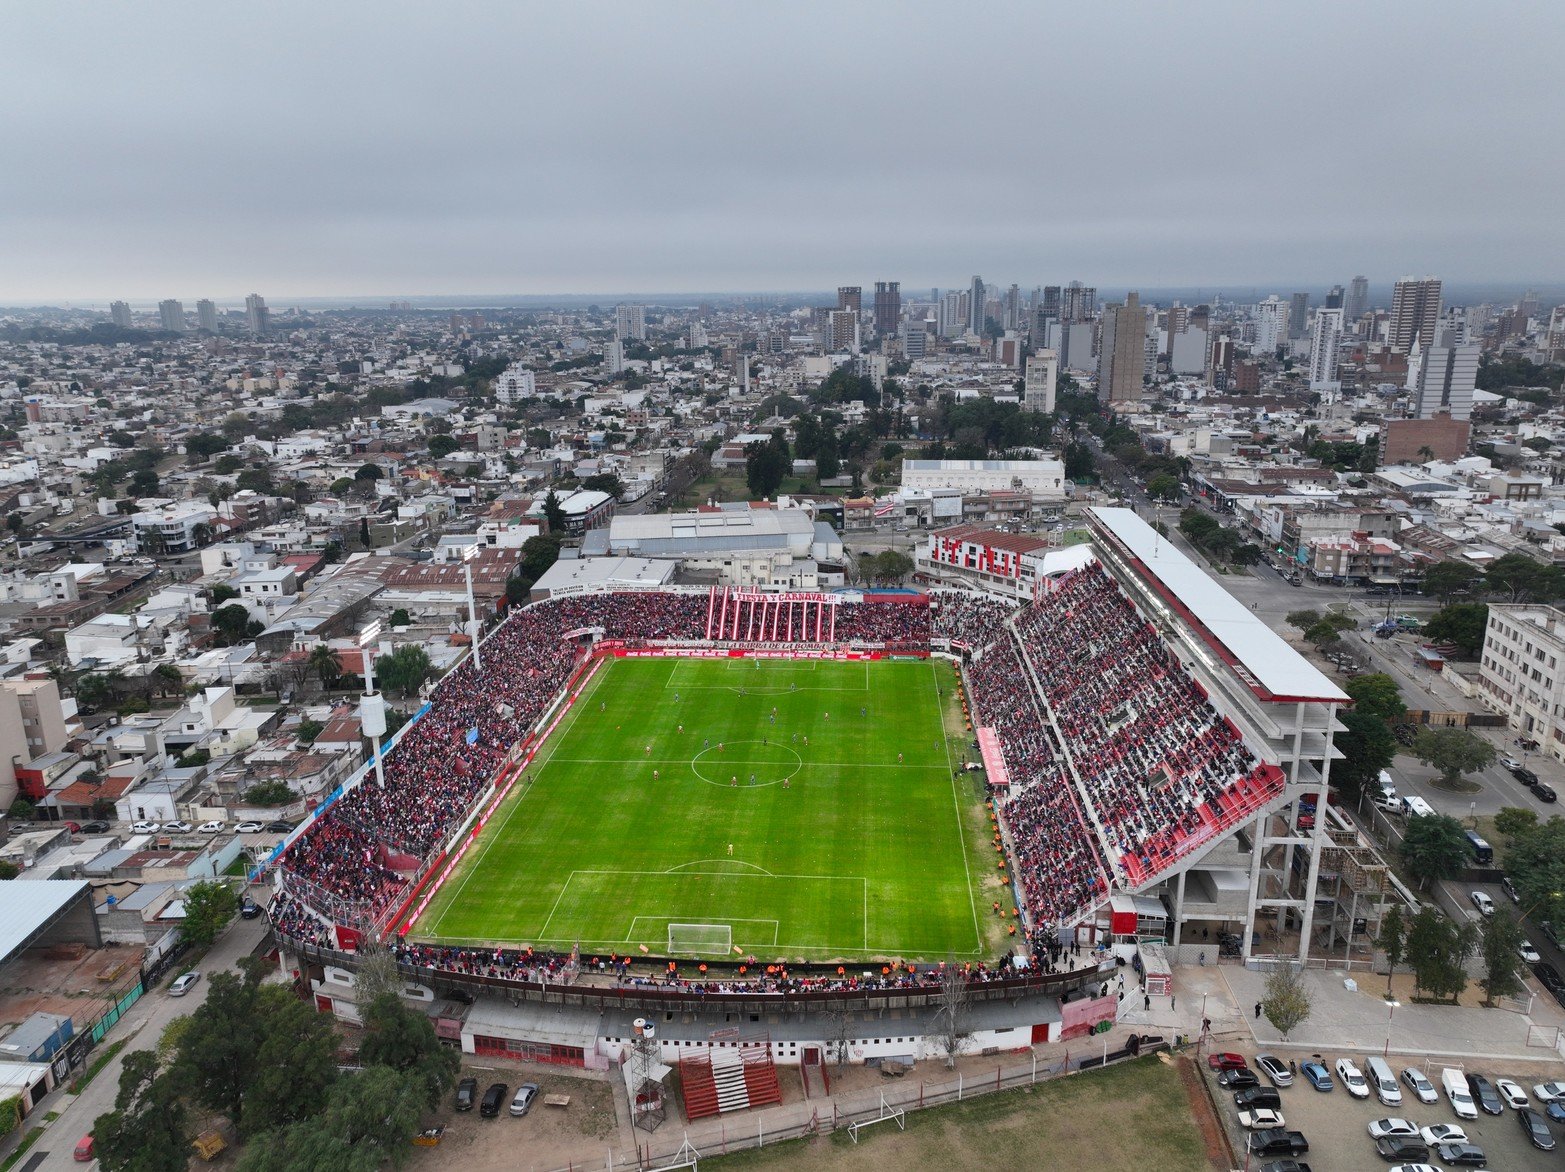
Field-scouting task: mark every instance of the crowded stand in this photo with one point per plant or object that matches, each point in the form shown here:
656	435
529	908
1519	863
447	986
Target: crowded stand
969	621
1163	770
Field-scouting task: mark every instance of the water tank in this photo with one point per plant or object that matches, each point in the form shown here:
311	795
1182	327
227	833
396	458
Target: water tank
372	715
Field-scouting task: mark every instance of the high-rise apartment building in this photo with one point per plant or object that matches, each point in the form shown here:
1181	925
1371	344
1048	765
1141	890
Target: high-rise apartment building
172	316
888	307
1271	324
1013	308
1325	340
953	314
850	297
119	314
1447	376
1334	297
915	340
630	321
1298	315
1051	301
1078	302
1038	385
1415	310
842	330
975	306
206	315
1122	351
258	319
1356	304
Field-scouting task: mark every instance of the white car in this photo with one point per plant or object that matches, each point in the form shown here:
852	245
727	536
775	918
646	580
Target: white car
249	828
1352	1078
183	984
1527	952
178	827
210	828
1443	1133
1260	1119
1482	902
145	827
1421	1087
1515	1098
1549	1092
1398	1127
1510	762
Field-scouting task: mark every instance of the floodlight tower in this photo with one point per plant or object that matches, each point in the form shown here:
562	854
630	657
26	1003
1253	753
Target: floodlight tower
647	1108
372	705
472	610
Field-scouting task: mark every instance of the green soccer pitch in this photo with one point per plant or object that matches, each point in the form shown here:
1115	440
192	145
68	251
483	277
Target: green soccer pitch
798	810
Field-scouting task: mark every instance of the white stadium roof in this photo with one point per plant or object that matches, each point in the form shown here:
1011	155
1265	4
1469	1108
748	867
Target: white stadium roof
1258	654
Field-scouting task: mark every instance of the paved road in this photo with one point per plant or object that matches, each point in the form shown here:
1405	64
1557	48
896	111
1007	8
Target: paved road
143	1024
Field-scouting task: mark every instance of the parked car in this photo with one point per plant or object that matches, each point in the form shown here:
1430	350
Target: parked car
1252	1098
1261	1119
1401	1147
466	1094
1403	1127
1528	953
1535	1129
1556	1112
85	1151
213	827
280	827
145	827
1512	1093
178	827
1353	1080
1278	1141
1544	792
1509	888
183	984
1482	902
1509	762
1525	776
1443	1133
1238	1080
1275	1069
248	908
1462	1155
525	1094
493	1097
1317	1076
1423	1090
1285	1166
1484	1094
1548	976
250	828
96	826
1549	1092
1227	1061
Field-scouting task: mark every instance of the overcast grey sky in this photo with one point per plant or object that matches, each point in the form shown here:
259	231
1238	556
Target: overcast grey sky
334	147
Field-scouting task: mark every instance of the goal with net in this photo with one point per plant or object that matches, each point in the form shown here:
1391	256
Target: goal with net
700	939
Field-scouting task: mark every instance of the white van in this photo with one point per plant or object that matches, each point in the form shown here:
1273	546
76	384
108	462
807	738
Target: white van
1415	807
1383	1081
1388	785
1454	1083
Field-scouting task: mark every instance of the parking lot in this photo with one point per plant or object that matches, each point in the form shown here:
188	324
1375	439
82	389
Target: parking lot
1337	1125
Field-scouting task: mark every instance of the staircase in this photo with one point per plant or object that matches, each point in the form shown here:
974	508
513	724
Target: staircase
700	1089
728	1071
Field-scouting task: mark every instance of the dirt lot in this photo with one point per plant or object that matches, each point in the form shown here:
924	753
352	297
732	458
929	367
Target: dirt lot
547	1137
1136	1115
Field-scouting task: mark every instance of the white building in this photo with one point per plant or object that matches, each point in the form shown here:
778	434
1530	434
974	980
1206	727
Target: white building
515	383
739	546
630	321
1446	378
1522	671
1045	479
1325	340
1271	323
1038	387
173	528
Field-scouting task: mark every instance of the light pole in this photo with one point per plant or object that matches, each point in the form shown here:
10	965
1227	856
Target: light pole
472	612
372	705
1390	1013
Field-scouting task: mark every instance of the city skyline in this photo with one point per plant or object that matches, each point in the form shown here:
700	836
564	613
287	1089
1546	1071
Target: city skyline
390	150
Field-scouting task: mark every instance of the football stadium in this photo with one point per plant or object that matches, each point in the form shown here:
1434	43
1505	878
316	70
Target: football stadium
710	801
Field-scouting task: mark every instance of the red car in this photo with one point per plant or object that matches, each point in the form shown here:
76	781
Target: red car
84	1150
1227	1061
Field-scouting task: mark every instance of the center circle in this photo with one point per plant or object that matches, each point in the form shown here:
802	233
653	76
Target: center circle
770	762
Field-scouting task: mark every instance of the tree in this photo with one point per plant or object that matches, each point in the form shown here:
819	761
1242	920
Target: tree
231	622
765	464
147	1131
367	1121
404	669
1522	579
307	731
1434	846
8	869
1376	695
441	446
1497	944
1392	941
605	482
1286	1001
553	513
296	1063
890	566
1367	745
1453	751
1163	487
369	472
22	810
364	532
1447	578
405	1041
1514	823
270	794
1328	631
1535	862
1303	619
167	678
209	906
1437	950
400	618
828	460
1463	624
950	1021
324	663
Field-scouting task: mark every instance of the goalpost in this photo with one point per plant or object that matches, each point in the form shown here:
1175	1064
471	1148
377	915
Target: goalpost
701	939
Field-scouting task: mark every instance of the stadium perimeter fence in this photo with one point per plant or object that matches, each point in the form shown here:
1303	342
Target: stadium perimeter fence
803	1120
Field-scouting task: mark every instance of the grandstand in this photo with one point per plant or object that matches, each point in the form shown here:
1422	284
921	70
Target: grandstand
1142	728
